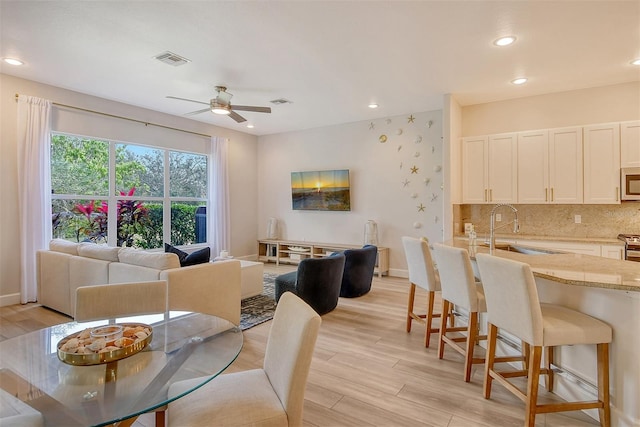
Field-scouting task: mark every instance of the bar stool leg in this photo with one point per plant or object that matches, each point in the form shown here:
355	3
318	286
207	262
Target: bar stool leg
489	359
443	328
603	384
429	317
472	334
412	296
532	386
526	352
548	360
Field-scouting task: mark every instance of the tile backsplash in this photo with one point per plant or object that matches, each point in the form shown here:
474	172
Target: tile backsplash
597	221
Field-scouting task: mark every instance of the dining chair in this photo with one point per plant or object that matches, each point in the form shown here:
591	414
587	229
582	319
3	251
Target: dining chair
113	300
460	289
15	413
422	273
214	291
271	396
541	326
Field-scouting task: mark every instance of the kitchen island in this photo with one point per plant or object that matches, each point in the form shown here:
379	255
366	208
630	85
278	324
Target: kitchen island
604	288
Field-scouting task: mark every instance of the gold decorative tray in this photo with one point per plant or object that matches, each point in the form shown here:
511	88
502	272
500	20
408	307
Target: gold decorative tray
104	344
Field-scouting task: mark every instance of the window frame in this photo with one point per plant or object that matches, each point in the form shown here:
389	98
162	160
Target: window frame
166	200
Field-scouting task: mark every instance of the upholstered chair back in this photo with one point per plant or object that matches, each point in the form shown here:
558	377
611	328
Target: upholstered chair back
456	276
512	297
359	266
289	351
422	271
120	299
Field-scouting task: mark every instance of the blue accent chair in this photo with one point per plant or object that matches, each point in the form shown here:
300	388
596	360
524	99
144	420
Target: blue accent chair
358	271
317	281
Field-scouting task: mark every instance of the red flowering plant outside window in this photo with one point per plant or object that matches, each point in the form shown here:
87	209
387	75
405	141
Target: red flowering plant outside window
133	217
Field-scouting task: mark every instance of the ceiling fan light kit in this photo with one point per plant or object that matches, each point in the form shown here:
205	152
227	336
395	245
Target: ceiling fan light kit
221	104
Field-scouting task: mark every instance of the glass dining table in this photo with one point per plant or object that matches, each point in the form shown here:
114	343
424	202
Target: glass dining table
184	345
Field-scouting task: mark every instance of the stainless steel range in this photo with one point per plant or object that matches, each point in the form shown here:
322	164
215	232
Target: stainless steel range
631	246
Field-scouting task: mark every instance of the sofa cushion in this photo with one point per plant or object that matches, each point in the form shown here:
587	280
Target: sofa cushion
64	246
157	260
101	252
120	272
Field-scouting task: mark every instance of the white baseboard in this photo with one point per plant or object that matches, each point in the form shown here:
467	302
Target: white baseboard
10	299
396	272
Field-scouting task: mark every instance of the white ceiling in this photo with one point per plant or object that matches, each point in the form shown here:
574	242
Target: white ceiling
330	58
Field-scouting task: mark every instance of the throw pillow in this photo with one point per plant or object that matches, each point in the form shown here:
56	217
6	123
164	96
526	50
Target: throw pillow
172	249
198	257
186	259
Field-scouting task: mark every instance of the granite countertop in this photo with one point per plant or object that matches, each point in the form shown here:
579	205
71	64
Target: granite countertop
519	236
572	269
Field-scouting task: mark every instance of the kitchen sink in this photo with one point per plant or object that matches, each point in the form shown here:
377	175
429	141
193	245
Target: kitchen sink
527	250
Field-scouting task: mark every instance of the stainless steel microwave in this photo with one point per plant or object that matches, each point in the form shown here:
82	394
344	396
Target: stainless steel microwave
630	184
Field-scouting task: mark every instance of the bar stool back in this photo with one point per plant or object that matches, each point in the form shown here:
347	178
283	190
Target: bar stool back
422	273
513	305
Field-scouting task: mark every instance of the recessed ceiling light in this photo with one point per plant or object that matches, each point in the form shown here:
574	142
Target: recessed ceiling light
635	62
504	41
519	81
250	126
12	61
373	105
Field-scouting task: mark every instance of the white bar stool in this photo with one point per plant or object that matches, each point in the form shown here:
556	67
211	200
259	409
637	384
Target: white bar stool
513	305
460	288
423	274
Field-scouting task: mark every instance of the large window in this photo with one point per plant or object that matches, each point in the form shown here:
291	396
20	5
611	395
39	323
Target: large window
159	195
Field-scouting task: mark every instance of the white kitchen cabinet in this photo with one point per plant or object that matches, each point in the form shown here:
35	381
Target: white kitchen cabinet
489	169
612	251
630	144
533	167
550	166
475	163
602	164
503	168
565	165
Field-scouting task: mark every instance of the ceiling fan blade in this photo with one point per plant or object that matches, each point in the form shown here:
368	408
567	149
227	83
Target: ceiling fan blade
193	113
185	99
251	108
237	117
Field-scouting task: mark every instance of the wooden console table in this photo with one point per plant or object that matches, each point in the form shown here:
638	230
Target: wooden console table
292	252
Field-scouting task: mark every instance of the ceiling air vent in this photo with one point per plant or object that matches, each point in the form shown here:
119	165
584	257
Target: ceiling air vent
172	59
280	101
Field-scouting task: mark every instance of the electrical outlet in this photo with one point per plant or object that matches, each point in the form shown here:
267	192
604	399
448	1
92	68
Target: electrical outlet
498	217
577	219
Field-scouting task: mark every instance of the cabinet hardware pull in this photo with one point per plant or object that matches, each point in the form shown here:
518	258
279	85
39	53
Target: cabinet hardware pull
546	193
485	195
491	194
552	194
617	193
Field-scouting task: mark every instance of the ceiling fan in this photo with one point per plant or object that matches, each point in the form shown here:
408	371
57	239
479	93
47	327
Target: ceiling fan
221	104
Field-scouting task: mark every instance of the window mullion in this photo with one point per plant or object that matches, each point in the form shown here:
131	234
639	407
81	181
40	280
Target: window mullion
166	203
112	216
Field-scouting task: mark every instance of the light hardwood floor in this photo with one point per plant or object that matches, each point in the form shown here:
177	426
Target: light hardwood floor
366	370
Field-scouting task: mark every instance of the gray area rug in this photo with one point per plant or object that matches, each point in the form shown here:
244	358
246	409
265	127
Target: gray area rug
260	308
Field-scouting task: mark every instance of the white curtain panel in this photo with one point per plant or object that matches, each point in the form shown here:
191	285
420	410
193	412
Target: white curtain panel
34	117
218	216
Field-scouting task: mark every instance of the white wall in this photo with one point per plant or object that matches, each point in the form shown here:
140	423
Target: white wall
242	157
377	190
615	103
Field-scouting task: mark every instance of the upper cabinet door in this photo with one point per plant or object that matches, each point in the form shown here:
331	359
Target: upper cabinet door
533	167
503	168
630	144
602	164
565	165
475	162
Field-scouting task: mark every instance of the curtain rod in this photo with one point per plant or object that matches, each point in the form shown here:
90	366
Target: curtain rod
125	118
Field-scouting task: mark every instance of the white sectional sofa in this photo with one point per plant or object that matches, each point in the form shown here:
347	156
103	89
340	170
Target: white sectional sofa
67	265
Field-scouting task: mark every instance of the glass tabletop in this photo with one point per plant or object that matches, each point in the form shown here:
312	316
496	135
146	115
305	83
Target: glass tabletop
184	346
